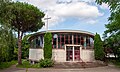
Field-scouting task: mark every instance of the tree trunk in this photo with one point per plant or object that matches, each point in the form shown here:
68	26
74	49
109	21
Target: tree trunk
20	34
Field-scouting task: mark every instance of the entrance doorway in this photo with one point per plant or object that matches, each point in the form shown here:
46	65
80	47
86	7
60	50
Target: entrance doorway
72	53
77	53
69	53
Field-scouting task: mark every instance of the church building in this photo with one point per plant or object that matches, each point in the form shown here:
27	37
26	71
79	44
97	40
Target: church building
67	46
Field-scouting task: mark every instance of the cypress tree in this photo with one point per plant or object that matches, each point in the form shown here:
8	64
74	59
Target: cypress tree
48	45
98	48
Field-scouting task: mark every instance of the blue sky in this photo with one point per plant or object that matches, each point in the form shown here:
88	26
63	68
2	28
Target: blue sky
73	14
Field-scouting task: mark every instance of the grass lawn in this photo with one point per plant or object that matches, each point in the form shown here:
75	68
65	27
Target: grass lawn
7	64
115	62
26	64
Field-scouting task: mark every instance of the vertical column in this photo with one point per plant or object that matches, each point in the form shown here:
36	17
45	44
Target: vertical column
65	53
73	53
57	42
60	41
89	41
68	39
72	39
52	41
80	52
43	41
85	42
76	39
64	39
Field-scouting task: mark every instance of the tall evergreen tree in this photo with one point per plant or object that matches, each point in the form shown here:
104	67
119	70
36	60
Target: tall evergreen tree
48	45
98	48
22	17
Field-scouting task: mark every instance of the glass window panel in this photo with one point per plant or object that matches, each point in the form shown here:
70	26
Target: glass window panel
74	39
58	45
66	39
62	39
78	40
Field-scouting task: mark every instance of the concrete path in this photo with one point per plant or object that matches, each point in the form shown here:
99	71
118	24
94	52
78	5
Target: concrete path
96	69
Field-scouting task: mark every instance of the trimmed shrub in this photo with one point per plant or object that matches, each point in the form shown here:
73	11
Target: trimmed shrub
98	48
46	63
48	45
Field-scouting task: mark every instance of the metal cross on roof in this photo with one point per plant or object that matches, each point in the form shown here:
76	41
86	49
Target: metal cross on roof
47	18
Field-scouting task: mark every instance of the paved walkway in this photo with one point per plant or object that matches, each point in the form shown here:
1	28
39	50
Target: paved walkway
95	69
67	67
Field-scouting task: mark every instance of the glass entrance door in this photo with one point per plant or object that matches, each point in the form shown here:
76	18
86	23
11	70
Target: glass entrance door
69	53
76	53
72	53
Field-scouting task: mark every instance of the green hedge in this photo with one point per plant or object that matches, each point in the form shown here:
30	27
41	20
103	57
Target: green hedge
98	48
7	64
48	45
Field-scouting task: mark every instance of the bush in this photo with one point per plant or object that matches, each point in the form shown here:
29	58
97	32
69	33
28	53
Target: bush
48	45
46	63
98	48
26	64
7	64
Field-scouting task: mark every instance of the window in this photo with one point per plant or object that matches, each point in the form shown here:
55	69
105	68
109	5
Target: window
55	36
79	39
88	41
82	40
37	42
66	39
74	39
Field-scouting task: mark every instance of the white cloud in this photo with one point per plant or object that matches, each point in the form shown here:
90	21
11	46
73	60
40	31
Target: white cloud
77	9
92	21
60	10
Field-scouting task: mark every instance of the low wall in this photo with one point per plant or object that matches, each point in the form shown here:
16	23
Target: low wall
35	54
59	55
87	55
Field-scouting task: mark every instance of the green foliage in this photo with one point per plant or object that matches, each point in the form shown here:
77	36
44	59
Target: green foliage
113	4
26	64
116	63
22	17
7	44
112	34
25	47
45	63
7	64
113	42
48	45
98	48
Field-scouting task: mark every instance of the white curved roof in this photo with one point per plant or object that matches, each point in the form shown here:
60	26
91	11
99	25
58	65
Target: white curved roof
73	31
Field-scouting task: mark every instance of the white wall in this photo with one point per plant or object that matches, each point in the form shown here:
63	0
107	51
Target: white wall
59	55
35	54
87	55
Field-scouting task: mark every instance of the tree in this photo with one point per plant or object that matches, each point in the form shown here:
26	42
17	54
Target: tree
98	48
22	17
7	44
7	37
113	27
48	45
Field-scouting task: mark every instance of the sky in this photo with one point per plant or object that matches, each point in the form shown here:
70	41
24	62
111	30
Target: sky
83	15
